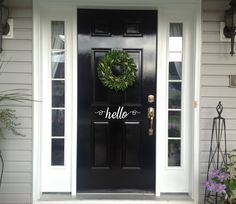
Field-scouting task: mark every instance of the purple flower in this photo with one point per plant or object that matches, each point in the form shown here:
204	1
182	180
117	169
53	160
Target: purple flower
210	185
214	173
218	174
220	188
215	187
223	176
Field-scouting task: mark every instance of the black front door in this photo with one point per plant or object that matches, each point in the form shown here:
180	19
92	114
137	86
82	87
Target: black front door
116	153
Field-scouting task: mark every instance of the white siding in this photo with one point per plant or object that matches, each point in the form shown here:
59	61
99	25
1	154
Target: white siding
217	65
17	151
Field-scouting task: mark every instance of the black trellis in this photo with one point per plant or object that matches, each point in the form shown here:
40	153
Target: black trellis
218	150
2	168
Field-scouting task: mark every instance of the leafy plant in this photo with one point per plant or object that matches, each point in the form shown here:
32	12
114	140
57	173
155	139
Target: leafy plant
8	116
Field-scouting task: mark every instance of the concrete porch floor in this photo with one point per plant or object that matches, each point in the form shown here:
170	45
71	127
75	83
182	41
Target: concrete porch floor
115	199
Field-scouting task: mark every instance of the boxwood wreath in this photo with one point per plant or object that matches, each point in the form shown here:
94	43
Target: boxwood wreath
116	70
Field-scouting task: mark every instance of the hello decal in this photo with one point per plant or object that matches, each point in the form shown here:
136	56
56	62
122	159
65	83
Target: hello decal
116	115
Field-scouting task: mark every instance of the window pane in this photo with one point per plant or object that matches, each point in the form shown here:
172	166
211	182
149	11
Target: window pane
175	44
175	57
174	124
58	64
57	152
176	37
175	70
176	29
58	93
58	122
175	95
58	36
174	149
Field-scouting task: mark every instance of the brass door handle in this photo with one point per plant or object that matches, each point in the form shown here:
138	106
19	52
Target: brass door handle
151	114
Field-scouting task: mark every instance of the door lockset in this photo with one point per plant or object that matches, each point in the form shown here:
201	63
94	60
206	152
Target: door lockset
151	114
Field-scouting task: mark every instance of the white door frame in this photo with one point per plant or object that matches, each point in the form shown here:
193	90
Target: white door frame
164	7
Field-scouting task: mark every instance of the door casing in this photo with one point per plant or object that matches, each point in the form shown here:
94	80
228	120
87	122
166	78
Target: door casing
42	10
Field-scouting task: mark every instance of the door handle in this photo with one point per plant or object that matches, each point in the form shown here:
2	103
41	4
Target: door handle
151	114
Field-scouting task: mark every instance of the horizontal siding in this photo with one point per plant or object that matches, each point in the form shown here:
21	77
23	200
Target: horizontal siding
210	36
23	45
209	102
211	26
23	34
21	13
16	177
15	67
205	135
206	124
217	65
8	86
215	48
22	4
215	5
214	58
17	74
212	16
209	113
18	166
16	145
17	56
218	70
15	198
25	23
221	81
221	92
17	155
16	188
16	78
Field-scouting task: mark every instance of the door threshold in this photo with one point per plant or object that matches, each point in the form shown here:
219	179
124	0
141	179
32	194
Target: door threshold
119	191
117	195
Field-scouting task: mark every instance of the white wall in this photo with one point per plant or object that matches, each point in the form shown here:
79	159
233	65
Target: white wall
16	150
217	65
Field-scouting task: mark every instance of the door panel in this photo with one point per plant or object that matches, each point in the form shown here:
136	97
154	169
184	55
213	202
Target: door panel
115	154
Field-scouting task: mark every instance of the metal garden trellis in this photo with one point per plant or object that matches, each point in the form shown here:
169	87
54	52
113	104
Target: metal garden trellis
218	151
1	169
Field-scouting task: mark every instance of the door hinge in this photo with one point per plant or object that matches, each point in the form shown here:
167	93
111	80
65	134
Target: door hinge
195	104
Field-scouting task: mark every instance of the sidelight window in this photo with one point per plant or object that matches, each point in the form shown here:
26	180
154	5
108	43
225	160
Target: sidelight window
175	94
58	92
56	79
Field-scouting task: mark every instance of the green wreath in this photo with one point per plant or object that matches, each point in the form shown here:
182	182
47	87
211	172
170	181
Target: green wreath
116	70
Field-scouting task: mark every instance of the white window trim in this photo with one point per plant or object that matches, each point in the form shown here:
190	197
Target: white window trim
71	5
59	176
